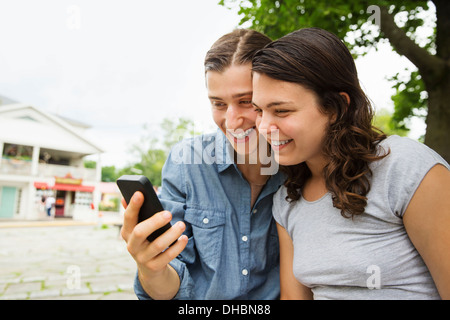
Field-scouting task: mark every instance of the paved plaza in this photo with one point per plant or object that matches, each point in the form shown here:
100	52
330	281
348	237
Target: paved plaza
57	261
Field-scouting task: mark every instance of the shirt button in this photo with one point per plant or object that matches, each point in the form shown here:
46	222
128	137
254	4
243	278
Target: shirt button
244	272
205	220
244	238
255	210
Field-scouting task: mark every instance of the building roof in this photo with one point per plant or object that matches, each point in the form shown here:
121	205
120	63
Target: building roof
28	125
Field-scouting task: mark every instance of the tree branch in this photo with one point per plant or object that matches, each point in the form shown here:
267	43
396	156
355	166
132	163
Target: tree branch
430	66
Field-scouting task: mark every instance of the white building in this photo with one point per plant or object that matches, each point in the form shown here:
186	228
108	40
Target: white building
42	155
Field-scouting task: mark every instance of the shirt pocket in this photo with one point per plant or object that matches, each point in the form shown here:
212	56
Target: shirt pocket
207	233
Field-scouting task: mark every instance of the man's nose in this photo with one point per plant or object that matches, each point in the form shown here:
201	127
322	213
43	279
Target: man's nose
234	117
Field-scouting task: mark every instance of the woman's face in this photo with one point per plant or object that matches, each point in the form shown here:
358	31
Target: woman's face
230	93
289	117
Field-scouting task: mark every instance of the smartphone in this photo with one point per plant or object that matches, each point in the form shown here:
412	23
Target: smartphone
128	185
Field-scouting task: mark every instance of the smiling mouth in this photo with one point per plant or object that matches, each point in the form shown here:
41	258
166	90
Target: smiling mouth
280	142
277	145
240	134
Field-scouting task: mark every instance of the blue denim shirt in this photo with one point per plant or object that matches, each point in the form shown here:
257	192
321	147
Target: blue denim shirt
232	252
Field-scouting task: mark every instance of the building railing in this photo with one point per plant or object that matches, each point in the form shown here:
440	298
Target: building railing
24	167
55	170
15	166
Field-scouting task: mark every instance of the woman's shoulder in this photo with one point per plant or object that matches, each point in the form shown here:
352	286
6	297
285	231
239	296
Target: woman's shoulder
279	198
397	176
404	151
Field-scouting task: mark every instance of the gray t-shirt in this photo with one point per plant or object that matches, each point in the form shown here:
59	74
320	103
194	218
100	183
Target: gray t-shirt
371	255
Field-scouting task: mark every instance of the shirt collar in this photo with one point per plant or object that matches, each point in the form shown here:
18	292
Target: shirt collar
224	152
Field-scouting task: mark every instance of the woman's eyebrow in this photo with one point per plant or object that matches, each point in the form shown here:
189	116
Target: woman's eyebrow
272	104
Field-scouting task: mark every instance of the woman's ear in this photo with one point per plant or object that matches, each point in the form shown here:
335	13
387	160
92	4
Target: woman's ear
334	117
346	96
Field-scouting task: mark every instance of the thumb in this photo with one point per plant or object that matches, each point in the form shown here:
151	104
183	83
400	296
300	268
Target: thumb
130	218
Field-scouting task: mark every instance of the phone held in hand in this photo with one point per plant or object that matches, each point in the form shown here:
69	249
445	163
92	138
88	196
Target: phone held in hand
128	185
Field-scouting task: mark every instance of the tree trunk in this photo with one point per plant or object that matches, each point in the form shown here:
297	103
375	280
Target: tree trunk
438	118
435	72
437	136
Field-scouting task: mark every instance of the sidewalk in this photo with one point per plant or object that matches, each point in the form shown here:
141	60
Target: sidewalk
64	259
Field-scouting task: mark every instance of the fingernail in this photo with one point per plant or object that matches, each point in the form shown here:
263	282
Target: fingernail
180	225
136	198
166	215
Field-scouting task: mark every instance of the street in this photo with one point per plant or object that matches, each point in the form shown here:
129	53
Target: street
51	261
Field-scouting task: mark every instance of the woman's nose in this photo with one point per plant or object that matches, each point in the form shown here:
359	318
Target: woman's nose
266	124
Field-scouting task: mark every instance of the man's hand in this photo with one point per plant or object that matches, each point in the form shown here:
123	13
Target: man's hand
157	277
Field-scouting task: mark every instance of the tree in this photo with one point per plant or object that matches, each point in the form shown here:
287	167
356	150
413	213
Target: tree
362	25
109	174
382	121
153	152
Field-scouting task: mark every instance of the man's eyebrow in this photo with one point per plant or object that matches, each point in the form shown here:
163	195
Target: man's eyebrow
273	104
235	96
240	95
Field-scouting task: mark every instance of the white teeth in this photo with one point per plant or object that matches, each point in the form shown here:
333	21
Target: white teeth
242	134
280	143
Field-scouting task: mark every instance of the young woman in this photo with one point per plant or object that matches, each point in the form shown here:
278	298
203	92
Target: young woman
214	191
361	215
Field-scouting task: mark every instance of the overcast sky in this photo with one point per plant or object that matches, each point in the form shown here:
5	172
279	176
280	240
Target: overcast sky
117	64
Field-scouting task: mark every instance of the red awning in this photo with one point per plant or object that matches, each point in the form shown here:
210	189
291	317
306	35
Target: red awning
41	185
73	187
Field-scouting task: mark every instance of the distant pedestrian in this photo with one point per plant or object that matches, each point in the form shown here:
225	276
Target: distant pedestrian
49	203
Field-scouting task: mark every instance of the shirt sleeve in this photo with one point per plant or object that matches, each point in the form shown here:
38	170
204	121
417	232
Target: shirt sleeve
407	164
173	198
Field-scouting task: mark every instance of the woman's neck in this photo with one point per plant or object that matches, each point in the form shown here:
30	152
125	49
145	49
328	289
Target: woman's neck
315	187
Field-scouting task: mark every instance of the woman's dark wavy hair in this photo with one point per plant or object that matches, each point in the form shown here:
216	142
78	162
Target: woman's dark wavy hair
319	61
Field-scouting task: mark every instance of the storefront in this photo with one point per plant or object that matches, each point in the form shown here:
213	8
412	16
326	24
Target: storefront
70	195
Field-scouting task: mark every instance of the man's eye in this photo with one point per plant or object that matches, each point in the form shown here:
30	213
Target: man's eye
218	104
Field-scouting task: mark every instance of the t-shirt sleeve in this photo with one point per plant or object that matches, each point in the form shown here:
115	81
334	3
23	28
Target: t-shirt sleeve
407	164
279	207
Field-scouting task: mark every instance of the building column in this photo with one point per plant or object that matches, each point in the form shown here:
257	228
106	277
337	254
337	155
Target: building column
1	152
98	168
97	196
35	161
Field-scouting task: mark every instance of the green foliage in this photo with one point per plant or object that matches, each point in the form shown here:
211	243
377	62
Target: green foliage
410	99
152	152
354	23
383	121
109	174
90	164
349	20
